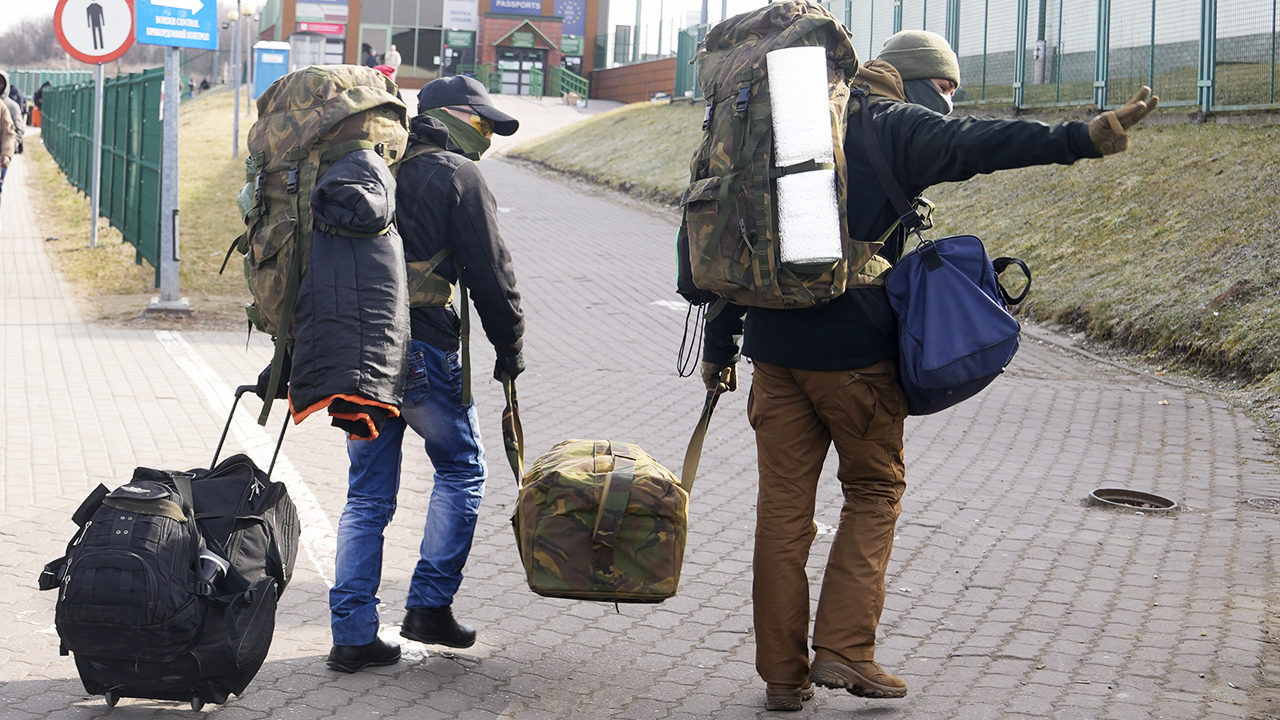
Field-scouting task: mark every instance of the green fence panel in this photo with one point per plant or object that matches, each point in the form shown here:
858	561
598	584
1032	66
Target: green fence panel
132	149
536	83
572	82
686	65
29	80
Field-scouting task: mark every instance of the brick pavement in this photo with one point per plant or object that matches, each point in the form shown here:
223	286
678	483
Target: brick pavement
1009	596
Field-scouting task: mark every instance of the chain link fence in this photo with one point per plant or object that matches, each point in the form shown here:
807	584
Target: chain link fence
1213	55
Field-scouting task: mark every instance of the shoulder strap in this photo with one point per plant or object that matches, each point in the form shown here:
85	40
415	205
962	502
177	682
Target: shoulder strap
906	212
513	436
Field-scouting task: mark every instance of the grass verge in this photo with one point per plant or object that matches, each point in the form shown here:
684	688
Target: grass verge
110	284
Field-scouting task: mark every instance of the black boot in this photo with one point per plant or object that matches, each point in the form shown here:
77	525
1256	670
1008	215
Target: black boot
436	626
350	658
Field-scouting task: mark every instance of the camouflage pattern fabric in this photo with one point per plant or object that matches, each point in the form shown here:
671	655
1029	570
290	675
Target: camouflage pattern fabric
596	520
730	216
306	120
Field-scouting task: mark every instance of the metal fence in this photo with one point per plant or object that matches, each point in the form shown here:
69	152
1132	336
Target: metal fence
28	81
132	147
1213	55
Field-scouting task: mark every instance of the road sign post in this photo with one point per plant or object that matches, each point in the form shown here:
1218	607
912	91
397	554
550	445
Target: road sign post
173	24
94	32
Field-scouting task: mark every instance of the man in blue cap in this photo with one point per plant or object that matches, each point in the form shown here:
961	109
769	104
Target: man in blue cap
447	218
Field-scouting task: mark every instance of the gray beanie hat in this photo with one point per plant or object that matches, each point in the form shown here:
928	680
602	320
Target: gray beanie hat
920	54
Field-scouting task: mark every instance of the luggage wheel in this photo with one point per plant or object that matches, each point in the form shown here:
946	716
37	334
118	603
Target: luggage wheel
112	698
196	704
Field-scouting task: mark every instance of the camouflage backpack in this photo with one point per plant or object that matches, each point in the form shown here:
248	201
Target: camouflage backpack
728	245
307	120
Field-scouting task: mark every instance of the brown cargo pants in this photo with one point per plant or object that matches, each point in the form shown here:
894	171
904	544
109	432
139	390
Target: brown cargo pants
797	415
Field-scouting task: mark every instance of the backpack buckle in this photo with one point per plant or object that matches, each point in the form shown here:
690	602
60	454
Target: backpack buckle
381	149
291	185
744	94
706	118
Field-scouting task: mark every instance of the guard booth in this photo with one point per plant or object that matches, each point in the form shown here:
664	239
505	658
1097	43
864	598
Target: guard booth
270	63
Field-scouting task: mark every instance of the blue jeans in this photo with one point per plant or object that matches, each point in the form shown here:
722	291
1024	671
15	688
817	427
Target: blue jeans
432	408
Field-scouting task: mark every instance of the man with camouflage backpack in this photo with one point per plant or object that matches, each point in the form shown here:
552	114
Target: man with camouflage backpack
826	375
447	218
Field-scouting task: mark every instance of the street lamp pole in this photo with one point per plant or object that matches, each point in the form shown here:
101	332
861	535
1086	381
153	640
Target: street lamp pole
234	16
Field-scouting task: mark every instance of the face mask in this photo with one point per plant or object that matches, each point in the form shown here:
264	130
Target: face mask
470	142
922	91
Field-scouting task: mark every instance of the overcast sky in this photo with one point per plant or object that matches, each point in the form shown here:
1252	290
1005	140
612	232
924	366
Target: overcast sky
17	10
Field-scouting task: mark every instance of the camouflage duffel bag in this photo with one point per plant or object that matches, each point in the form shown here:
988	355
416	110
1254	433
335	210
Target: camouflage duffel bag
596	520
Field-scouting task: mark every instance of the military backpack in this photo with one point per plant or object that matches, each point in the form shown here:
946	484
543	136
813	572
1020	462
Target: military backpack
307	120
729	242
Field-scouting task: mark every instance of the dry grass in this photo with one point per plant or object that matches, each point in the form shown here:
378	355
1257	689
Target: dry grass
112	286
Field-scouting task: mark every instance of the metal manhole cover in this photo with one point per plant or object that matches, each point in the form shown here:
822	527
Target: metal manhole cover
1271	504
1135	499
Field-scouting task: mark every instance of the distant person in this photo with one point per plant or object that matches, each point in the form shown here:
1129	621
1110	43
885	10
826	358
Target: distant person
16	114
370	57
204	84
442	201
38	98
8	142
827	375
392	60
390	73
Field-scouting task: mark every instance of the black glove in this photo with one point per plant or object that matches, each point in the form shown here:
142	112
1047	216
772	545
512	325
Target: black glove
509	365
264	377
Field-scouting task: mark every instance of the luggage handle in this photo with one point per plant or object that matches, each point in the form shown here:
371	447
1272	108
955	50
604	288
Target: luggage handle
227	426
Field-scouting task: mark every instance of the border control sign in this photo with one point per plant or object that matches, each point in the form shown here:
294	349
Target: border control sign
178	23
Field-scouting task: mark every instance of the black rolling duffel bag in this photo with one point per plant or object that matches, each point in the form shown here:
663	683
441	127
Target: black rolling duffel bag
168	590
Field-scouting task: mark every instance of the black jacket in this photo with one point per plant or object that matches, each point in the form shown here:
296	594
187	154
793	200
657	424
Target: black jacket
441	198
351	332
922	148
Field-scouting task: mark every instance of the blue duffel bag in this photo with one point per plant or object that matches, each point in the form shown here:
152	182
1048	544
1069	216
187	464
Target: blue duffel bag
955	333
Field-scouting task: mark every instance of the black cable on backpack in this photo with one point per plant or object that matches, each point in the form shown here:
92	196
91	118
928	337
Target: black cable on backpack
691	342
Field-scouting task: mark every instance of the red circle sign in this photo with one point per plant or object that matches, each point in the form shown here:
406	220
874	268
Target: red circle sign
94	31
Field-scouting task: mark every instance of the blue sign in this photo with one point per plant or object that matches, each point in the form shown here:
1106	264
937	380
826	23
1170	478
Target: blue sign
574	14
518	7
178	23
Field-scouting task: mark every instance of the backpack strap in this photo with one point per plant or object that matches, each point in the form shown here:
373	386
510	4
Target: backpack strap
906	212
427	287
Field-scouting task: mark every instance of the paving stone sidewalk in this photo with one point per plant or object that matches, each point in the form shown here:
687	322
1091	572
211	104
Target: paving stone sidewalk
1010	596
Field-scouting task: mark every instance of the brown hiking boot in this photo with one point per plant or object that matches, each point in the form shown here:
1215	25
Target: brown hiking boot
787	697
862	678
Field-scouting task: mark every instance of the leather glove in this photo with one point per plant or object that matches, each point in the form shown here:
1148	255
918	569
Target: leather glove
1107	131
509	365
715	379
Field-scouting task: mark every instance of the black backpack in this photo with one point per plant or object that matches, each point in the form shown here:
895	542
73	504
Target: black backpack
130	585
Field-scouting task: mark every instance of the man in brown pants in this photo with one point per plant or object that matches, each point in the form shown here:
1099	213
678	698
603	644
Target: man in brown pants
827	374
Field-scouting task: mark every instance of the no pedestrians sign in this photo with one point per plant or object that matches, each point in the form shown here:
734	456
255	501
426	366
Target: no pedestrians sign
94	31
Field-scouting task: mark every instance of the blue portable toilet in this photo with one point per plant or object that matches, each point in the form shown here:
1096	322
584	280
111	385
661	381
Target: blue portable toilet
270	63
